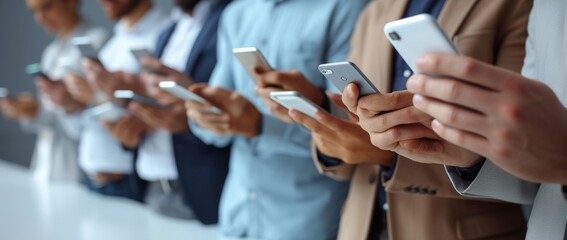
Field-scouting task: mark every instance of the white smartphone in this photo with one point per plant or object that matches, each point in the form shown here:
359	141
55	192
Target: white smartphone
129	95
251	57
342	74
86	47
184	94
294	100
416	36
109	111
141	53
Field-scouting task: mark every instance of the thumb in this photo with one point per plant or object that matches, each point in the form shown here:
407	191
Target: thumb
198	88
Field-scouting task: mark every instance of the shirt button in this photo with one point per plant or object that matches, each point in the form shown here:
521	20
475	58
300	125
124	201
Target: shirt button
407	73
252	196
385	207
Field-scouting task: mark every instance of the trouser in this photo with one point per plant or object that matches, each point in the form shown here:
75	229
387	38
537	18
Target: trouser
166	198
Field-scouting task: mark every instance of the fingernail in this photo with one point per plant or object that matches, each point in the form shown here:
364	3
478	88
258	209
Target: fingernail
412	83
418	100
422	60
435	124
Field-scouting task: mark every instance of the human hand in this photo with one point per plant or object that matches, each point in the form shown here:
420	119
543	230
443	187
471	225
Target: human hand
79	89
239	116
172	118
517	123
274	81
24	106
155	72
394	124
341	139
57	92
128	130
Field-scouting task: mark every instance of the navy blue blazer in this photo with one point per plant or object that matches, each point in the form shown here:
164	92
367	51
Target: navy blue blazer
202	168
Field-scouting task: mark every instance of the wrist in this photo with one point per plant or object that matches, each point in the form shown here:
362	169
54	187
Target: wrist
255	129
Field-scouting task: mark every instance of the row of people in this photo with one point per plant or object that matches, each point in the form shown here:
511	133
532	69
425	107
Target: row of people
377	174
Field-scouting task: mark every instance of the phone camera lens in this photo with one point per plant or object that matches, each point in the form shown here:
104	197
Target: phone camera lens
395	36
344	79
326	71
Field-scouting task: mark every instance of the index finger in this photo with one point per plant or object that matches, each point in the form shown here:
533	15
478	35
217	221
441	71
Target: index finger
350	97
465	68
385	102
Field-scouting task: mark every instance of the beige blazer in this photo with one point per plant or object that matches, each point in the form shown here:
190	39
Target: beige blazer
422	203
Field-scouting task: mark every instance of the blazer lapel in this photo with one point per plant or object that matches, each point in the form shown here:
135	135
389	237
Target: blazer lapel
450	21
163	40
208	30
392	10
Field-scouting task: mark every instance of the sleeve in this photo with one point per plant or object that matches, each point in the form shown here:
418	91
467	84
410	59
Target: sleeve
529	68
493	182
98	36
220	77
512	48
340	172
73	124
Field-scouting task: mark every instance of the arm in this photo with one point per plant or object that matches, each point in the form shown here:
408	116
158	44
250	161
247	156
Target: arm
494	182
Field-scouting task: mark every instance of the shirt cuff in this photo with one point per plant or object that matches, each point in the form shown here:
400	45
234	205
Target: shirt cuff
470	174
388	172
328	161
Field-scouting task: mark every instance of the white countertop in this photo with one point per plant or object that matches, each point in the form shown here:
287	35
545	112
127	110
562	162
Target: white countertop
35	210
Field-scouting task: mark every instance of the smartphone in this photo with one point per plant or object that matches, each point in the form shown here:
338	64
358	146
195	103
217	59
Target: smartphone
342	74
141	53
184	94
129	95
86	48
251	57
34	70
109	111
416	36
294	100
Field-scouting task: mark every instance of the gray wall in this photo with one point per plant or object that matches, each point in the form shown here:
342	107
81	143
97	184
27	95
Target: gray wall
21	43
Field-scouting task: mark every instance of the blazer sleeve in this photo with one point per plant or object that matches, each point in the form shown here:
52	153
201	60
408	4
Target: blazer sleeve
493	182
341	172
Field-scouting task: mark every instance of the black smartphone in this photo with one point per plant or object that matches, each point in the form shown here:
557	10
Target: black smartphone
34	70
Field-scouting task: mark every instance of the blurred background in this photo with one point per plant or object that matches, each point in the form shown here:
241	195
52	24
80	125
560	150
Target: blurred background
22	42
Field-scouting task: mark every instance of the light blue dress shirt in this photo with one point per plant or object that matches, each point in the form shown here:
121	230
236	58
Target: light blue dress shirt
273	190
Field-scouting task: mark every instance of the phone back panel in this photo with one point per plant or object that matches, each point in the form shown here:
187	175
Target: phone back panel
416	36
251	57
343	73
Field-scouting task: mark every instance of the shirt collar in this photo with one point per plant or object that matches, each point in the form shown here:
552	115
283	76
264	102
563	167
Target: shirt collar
153	16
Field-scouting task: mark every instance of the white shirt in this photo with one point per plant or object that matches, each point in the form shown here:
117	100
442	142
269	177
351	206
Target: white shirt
99	150
55	156
156	159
